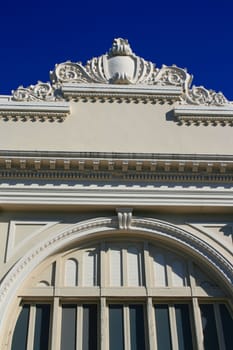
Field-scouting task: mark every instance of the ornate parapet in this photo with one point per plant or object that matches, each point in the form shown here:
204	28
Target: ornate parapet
120	74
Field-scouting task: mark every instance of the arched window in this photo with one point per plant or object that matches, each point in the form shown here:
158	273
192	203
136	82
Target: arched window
123	295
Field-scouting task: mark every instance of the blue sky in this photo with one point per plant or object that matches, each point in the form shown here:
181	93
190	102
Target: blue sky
197	35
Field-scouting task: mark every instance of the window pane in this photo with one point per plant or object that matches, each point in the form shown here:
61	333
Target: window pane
19	341
209	327
89	327
137	333
162	327
183	327
227	326
116	332
41	338
68	329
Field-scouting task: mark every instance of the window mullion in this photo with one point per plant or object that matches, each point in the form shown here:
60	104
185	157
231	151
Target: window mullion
151	325
172	320
56	325
169	271
126	327
103	266
59	274
31	327
79	327
197	324
104	324
81	279
125	267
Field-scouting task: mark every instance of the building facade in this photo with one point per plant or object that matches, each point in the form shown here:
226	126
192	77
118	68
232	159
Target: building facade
116	210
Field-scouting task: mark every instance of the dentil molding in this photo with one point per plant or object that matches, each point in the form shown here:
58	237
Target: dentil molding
109	167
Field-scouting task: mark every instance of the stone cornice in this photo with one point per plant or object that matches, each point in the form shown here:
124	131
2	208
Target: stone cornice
90	167
34	111
204	115
158	94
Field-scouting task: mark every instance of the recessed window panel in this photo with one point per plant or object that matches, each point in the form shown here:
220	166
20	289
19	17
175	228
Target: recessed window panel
133	267
19	341
183	327
90	268
68	329
137	332
159	270
115	267
42	325
178	274
227	326
71	273
89	327
162	327
209	327
116	328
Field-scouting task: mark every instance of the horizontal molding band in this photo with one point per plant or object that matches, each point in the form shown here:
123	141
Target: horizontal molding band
114	155
88	176
15	165
117	197
120	89
204	114
40	111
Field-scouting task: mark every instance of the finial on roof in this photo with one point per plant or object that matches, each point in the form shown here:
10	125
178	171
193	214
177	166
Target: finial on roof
120	47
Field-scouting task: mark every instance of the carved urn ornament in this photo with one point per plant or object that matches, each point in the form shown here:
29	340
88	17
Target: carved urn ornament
120	65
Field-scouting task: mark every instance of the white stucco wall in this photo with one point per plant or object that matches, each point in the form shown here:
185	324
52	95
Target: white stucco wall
116	127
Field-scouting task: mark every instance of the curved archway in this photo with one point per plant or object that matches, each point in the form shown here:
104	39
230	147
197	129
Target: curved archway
107	225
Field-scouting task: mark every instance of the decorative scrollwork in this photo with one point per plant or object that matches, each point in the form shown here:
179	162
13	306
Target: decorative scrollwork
39	92
71	72
200	96
173	76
